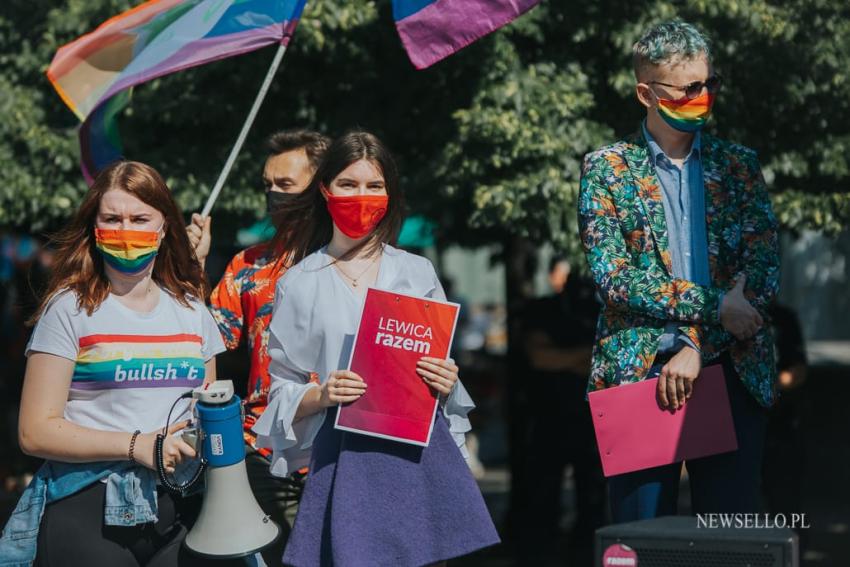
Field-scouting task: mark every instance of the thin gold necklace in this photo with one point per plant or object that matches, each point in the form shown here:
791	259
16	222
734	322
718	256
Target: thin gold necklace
360	275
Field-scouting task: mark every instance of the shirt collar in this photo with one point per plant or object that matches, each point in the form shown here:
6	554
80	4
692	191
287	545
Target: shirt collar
656	152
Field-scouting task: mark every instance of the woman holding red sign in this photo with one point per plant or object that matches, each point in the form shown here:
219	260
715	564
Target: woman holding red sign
367	501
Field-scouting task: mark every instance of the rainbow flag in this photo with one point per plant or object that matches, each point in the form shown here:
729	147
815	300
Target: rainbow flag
431	30
94	74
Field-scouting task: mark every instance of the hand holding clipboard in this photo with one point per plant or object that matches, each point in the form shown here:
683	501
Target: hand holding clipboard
634	433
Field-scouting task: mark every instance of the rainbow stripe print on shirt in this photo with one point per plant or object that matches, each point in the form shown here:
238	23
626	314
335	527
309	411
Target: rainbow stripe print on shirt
106	362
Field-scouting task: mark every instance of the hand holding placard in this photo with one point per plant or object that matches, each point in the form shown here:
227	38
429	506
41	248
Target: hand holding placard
342	387
439	374
400	349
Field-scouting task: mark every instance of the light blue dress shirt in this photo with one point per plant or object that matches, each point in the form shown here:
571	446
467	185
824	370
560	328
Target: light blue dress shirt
683	197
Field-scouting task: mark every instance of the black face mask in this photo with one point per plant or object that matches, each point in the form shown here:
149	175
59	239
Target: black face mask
275	200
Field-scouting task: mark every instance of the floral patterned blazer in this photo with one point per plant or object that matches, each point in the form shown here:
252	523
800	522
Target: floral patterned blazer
624	234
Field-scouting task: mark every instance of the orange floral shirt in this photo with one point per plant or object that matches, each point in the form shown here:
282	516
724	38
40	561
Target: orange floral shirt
241	305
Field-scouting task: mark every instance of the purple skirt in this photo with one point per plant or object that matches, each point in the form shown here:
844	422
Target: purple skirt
371	502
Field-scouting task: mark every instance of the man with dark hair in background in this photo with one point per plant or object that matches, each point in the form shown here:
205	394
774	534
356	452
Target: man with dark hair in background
242	303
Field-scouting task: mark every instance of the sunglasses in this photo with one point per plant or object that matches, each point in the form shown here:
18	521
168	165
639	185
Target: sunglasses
693	90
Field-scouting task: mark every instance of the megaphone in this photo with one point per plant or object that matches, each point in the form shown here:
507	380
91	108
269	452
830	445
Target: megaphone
231	523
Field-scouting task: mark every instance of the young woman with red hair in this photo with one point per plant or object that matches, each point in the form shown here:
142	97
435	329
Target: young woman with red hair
121	334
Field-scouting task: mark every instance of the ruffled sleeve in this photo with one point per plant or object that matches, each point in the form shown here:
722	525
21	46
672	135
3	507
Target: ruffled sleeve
291	355
456	406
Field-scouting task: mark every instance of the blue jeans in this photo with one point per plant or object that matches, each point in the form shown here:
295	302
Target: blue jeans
725	483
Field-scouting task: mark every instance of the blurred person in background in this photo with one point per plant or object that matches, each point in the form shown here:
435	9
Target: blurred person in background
785	457
558	333
25	264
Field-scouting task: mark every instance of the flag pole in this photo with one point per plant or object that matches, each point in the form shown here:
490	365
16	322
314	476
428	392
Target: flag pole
258	101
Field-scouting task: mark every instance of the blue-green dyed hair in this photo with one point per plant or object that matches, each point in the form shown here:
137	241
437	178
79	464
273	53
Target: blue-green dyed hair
668	42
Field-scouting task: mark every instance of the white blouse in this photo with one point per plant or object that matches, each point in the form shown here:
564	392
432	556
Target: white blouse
312	329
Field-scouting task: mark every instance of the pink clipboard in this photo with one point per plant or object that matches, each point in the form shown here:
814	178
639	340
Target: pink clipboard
634	433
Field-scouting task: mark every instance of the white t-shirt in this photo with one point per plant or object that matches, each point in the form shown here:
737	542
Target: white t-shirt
130	366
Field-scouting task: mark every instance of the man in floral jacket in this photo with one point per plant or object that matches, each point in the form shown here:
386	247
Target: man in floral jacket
682	243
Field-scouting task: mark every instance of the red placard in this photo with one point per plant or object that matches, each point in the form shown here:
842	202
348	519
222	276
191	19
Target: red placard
395	331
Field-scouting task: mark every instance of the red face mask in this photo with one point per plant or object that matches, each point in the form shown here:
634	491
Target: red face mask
357	215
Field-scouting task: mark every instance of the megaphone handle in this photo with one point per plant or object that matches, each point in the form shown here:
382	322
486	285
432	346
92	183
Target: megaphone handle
178	489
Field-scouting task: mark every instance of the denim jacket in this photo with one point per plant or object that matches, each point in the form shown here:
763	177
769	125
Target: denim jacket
130	500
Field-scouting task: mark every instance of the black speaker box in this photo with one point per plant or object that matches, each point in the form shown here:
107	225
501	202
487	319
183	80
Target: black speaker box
679	541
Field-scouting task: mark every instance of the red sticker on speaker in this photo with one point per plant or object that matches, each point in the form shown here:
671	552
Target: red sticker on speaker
619	555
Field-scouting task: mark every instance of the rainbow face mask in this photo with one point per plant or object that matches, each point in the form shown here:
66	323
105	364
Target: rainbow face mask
686	114
128	251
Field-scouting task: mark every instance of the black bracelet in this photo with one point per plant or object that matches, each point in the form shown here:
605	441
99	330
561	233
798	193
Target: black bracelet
133	446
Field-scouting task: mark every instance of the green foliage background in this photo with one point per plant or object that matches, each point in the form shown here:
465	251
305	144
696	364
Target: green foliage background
489	141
